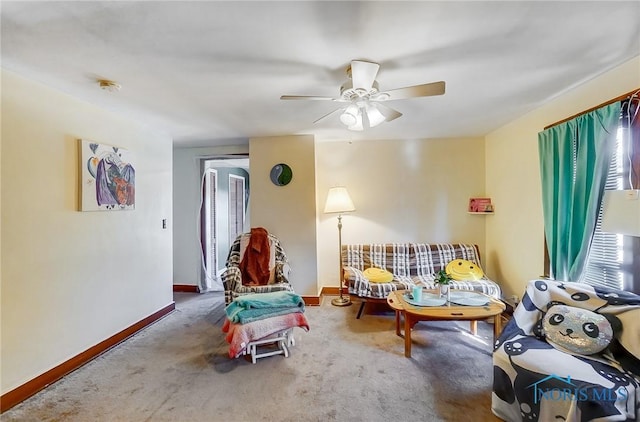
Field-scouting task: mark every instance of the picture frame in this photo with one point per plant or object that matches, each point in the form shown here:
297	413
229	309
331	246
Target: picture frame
107	177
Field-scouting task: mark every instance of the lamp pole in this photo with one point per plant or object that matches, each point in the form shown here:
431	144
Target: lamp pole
340	301
338	202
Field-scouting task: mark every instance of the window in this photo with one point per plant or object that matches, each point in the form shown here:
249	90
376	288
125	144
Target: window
611	257
606	256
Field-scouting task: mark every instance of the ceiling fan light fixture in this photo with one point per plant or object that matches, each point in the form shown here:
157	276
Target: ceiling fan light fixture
374	115
358	126
350	115
365	100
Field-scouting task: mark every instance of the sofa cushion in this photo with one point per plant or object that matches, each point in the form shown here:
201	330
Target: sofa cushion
359	284
576	330
429	258
393	257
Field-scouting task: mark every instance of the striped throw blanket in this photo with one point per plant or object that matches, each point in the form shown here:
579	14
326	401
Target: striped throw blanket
240	335
412	264
254	307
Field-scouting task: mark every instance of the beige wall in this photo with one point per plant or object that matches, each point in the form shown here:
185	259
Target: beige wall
72	279
289	212
187	264
403	191
515	233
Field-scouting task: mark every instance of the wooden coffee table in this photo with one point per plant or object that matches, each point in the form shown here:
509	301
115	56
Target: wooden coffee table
413	314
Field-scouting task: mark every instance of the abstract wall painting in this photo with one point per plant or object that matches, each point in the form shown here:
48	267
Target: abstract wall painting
108	178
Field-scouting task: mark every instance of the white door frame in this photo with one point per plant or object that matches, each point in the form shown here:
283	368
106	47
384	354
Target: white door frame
211	280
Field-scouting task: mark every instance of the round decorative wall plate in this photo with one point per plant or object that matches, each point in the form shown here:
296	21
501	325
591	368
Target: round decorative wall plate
281	174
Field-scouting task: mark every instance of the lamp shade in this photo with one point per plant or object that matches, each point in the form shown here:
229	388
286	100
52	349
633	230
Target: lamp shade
357	126
350	115
338	200
374	115
621	212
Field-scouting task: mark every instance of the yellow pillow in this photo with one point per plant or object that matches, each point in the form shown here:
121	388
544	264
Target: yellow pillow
461	269
378	275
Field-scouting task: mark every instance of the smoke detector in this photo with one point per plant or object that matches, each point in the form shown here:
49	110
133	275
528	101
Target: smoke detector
108	85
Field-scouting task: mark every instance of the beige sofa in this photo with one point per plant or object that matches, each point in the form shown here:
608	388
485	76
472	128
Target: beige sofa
412	264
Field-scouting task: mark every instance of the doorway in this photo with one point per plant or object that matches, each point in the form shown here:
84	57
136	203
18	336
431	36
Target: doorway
224	213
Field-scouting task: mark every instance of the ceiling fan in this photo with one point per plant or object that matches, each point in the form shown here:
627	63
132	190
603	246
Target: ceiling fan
363	99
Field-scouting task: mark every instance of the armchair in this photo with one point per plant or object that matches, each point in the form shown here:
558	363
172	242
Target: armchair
234	277
535	379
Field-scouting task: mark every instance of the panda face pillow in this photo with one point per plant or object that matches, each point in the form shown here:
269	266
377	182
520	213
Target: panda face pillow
576	330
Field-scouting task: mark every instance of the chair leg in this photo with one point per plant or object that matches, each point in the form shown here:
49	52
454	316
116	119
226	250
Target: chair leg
361	309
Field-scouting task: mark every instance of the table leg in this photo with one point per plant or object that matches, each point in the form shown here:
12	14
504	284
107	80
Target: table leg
398	323
497	326
407	336
473	327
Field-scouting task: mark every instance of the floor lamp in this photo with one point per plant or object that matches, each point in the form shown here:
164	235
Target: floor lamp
339	201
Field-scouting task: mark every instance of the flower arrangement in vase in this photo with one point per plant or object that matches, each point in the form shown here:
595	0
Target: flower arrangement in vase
443	279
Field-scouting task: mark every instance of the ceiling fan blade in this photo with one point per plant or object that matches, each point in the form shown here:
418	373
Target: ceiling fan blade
424	90
388	113
363	74
306	97
328	114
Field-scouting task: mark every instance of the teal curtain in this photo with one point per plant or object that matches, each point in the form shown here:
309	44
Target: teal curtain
574	162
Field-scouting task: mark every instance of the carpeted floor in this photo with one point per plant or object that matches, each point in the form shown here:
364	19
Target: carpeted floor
343	369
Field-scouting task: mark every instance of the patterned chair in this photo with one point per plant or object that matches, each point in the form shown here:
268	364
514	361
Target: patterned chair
232	275
535	379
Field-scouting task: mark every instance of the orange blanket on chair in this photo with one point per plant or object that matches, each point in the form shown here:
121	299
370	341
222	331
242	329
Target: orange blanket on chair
255	262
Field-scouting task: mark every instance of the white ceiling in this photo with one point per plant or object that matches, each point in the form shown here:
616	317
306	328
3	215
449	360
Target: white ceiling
211	73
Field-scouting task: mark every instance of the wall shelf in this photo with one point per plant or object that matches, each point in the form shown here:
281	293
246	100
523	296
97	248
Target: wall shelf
481	213
479	205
